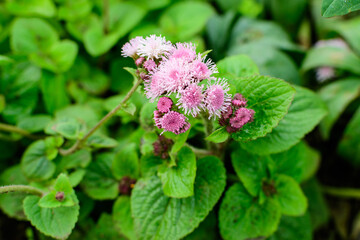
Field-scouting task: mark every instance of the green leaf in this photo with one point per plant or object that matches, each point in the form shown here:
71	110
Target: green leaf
218	136
146	116
337	96
62	185
70	128
331	57
44	8
76	177
122	217
269	97
350	30
35	164
155	4
104	229
34	123
304	114
126	162
30	35
251	169
238	66
294	228
155	214
58	58
11	203
178	181
241	217
129	108
179	141
4	60
206	230
80	158
99	182
299	162
183	20
332	8
291	199
149	165
349	145
54	222
123	16
73	10
53	89
101	141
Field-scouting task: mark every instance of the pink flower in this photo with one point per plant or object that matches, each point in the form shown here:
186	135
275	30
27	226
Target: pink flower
217	99
203	70
185	51
154	87
242	116
139	61
154	47
228	113
239	100
131	48
150	65
164	104
191	99
174	122
325	73
157	118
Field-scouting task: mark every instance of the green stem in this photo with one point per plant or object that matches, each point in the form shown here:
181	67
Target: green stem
21	188
342	192
106	19
199	152
14	129
78	143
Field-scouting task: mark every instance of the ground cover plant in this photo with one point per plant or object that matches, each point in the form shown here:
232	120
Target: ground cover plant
179	119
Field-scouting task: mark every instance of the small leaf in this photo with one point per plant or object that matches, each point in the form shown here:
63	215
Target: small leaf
290	196
178	181
126	163
76	177
68	127
179	141
218	136
101	141
130	108
80	158
239	213
54	222
122	217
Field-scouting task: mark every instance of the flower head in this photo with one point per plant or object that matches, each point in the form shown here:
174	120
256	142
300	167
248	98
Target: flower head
150	65
239	100
154	47
242	116
185	51
130	49
203	70
154	87
164	104
217	99
191	99
174	122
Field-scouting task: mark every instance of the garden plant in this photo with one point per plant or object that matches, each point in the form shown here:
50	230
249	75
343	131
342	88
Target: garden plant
175	119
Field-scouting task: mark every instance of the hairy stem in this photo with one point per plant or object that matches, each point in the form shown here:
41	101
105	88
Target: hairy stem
9	128
342	192
78	143
21	188
106	19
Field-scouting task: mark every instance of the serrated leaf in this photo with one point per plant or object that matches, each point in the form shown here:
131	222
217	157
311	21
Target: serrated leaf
239	213
337	96
304	114
269	97
35	164
331	8
54	222
153	212
122	217
178	181
218	136
126	163
291	199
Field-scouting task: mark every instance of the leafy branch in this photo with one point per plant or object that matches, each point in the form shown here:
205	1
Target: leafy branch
21	188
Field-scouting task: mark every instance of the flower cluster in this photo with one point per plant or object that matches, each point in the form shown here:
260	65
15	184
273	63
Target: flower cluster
178	71
236	115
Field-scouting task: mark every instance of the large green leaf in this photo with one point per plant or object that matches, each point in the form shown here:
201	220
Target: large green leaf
178	181
123	16
251	169
30	35
122	217
290	196
269	97
304	114
44	8
54	222
294	228
185	19
337	96
241	217
126	163
332	8
238	66
331	57
99	182
157	216
35	164
349	146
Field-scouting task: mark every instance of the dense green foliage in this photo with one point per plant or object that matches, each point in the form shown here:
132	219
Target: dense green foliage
66	174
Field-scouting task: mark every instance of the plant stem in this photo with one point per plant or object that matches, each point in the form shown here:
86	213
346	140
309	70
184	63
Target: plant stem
199	152
14	129
342	192
78	143
106	19
21	188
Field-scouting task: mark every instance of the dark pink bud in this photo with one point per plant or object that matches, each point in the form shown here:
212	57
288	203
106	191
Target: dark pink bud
60	196
239	100
227	114
139	61
150	65
162	146
126	185
164	104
